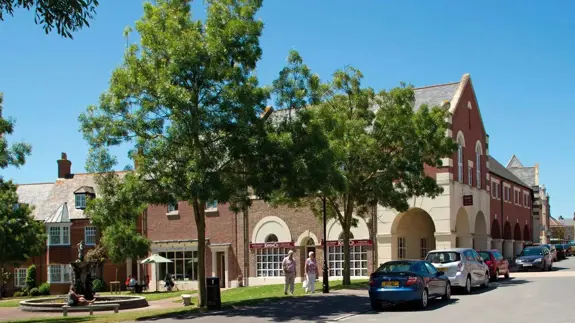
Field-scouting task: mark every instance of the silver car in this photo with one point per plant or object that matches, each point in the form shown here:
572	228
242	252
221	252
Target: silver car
463	266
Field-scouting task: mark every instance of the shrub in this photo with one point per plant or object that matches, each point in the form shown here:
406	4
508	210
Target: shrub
34	292
31	277
44	289
98	285
19	294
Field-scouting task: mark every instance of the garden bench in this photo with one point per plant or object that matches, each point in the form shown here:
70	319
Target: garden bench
90	308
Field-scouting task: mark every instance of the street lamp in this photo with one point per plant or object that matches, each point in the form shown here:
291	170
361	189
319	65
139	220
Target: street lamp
325	272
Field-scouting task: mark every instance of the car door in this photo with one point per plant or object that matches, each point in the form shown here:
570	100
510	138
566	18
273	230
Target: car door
471	265
547	256
437	282
481	266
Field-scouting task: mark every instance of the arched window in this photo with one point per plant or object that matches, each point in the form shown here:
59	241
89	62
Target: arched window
478	164
271	238
459	161
310	242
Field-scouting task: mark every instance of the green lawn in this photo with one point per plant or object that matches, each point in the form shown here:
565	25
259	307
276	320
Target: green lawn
232	297
151	296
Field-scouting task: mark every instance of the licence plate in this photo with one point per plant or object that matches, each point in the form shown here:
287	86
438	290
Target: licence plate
527	265
442	269
390	284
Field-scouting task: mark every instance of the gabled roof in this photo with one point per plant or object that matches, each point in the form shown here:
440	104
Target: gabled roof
85	190
496	168
61	215
434	95
554	223
514	162
34	195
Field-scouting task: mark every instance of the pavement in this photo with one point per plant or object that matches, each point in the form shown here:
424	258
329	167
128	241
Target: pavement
524	298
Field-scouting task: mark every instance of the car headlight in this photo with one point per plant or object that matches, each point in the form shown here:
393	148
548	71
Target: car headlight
537	260
517	261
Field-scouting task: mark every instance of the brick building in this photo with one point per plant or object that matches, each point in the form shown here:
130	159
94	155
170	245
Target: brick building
511	202
60	205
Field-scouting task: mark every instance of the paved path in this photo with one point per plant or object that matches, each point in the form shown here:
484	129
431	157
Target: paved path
525	298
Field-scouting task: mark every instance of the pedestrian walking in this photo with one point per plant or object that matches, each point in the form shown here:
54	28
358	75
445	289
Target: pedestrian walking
288	265
311	272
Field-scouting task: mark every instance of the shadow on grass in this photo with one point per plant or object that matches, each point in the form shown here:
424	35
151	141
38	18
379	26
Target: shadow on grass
58	320
358	285
283	308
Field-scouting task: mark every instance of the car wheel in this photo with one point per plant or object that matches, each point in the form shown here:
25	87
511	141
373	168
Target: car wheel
376	306
550	266
447	295
424	300
467	288
544	267
496	277
507	274
486	280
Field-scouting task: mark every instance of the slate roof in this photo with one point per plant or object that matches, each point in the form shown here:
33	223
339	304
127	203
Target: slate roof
554	223
49	198
496	168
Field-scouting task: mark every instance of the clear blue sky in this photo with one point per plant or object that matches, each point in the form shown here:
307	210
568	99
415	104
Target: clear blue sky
520	59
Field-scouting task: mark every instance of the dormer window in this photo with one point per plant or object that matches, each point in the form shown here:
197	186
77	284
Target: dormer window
82	195
172	207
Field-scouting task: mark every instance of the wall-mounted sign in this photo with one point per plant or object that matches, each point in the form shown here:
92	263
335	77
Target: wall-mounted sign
271	245
467	200
352	242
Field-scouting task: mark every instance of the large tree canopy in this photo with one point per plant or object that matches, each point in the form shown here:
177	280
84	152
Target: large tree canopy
66	16
188	99
21	236
379	142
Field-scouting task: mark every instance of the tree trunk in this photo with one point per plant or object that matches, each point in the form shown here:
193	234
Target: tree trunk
199	215
246	244
1	280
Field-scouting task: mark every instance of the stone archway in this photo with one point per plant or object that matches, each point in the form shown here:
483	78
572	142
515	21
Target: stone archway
413	235
480	236
526	233
518	240
463	230
517	233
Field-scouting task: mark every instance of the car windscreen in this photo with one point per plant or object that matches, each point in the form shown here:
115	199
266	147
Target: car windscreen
443	257
485	255
395	267
559	246
532	252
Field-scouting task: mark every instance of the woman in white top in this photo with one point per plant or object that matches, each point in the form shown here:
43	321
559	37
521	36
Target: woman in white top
311	272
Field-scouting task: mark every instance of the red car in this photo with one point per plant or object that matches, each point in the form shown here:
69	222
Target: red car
496	263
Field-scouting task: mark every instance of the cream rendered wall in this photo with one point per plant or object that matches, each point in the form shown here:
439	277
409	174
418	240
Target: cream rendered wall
271	225
334	229
480	207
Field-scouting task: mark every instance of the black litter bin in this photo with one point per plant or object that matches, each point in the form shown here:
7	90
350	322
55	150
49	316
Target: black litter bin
213	295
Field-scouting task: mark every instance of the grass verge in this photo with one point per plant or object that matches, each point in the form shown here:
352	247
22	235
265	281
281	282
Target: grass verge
233	297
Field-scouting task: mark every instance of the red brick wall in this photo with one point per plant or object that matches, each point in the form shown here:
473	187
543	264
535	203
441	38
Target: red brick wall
469	122
511	214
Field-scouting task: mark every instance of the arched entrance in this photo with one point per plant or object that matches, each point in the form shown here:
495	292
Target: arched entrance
507	231
518	244
507	241
307	247
480	237
517	233
463	230
413	235
495	230
526	233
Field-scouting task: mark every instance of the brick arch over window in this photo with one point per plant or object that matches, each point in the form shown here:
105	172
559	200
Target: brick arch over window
305	237
478	162
460	157
271	225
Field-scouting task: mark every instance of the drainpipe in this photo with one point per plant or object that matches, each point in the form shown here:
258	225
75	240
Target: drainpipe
246	248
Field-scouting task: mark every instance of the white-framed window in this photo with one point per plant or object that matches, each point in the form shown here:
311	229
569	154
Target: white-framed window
59	235
470	175
211	206
459	162
172	207
423	248
357	260
184	265
20	277
80	200
401	248
90	235
525	199
269	260
495	190
506	193
478	168
60	274
516	197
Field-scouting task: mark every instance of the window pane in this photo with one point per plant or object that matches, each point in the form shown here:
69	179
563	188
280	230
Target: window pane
65	235
54	235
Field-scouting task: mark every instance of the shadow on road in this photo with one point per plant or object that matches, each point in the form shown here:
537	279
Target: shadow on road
284	309
511	281
433	305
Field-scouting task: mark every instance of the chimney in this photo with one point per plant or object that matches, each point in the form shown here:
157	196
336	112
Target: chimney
536	174
64	167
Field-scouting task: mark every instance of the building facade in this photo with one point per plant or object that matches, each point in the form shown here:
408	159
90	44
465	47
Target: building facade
459	217
60	206
541	229
511	202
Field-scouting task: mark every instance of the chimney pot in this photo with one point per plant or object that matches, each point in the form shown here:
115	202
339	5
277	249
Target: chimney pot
64	167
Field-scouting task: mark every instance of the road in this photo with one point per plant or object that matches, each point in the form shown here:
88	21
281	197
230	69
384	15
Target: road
525	298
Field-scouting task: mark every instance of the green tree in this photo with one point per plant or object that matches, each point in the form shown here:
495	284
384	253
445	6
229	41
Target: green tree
21	237
116	210
31	277
66	16
379	142
187	97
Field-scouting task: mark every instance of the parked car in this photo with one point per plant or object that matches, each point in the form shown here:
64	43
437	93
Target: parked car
463	266
567	248
552	250
537	257
496	263
560	251
402	281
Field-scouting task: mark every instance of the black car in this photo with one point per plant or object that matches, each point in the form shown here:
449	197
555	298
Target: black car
561	252
537	257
